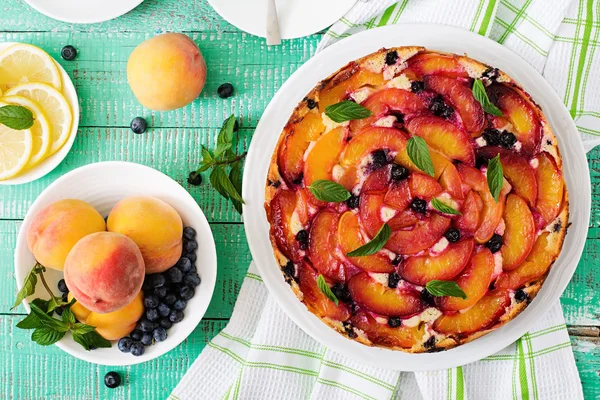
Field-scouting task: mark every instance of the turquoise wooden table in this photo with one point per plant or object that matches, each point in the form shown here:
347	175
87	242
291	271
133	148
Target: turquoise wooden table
29	371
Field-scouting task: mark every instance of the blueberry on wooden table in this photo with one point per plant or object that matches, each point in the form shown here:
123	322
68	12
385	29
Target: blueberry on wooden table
225	90
112	379
194	178
137	349
124	344
68	53
138	125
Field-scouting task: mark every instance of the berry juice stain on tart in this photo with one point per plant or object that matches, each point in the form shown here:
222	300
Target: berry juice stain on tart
416	200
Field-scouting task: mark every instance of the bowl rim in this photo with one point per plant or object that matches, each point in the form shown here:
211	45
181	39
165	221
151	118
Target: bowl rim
434	37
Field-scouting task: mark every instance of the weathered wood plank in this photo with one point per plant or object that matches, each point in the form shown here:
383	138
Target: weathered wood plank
587	357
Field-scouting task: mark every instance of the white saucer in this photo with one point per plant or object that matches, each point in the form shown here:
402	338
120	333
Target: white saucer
84	12
297	18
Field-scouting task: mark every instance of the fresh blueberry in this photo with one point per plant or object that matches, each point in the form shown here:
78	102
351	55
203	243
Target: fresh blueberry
147	339
62	286
154	281
495	243
65	297
191	279
164	310
165	323
191	256
353	202
152	314
521	296
151	301
430	343
170	299
507	140
289	269
480	162
137	349
419	205
68	53
427	298
393	280
136	335
225	90
391	57
176	316
186	292
440	108
189	232
159	334
112	380
180	305
399	173
394	322
302	236
160	292
124	344
184	264
491	73
453	235
379	158
145	326
310	103
190	246
174	275
194	178
417	86
138	125
491	136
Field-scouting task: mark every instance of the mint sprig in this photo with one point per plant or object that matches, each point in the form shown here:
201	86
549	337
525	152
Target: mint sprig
329	191
376	244
481	96
326	290
418	152
346	111
443	207
495	177
16	117
445	288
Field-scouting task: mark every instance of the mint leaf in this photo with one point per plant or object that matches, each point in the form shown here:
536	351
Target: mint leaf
29	285
54	303
481	96
445	288
235	176
225	138
419	154
46	336
220	180
16	117
495	177
375	244
68	317
82	329
346	111
47	321
329	191
324	287
443	207
31	321
91	340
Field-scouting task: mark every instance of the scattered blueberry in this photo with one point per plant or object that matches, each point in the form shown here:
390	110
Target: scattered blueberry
170	299
159	334
145	326
491	136
419	205
397	260
191	256
165	323
174	275
453	235
176	316
440	108
310	103
138	125
151	301
164	310
137	349
491	73
112	380
189	232
186	292
184	264
194	178
302	236
225	90
507	140
136	335
393	280
399	173
394	322
62	286
379	158
417	86
152	315
521	295
430	343
68	53
427	298
391	57
124	344
190	246
160	292
495	243
65	296
180	305
191	279
480	162
146	339
341	292
289	269
353	202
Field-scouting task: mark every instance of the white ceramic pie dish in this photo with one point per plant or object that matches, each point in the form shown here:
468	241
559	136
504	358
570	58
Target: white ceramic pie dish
84	12
103	185
434	37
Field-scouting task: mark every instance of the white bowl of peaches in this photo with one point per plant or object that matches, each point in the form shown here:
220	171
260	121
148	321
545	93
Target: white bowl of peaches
115	263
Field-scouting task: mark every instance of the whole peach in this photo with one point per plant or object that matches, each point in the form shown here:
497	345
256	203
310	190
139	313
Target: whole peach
166	72
104	271
58	226
154	226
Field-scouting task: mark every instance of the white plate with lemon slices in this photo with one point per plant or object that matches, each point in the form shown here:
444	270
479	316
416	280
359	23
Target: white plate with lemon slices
29	77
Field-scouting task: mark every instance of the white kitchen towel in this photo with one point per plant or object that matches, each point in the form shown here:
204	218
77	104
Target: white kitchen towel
262	354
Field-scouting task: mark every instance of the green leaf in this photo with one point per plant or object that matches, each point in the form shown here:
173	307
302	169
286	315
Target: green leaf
16	117
495	177
29	285
346	111
220	180
207	156
47	321
46	336
324	287
31	321
329	191
82	329
91	340
481	96
235	176
419	154
443	207
445	288
54	303
41	304
68	317
225	138
375	244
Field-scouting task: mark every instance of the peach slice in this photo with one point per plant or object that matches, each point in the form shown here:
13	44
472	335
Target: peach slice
350	178
350	238
550	188
436	64
423	186
474	281
440	162
346	82
380	299
384	335
322	245
519	234
281	212
461	97
403	219
370	212
535	266
399	195
451	182
290	157
471	213
444	266
422	236
387	101
520	113
483	314
323	156
315	300
370	139
377	182
444	137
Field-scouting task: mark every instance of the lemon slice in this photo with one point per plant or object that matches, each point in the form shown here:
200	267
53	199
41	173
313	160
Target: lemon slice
54	106
40	130
15	149
22	63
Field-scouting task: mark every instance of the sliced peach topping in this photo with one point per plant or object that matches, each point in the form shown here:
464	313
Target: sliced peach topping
322	245
350	238
403	219
535	266
439	161
399	195
282	210
423	186
424	235
436	64
380	299
550	186
346	82
443	136
387	101
350	178
370	139
378	181
471	213
322	157
315	300
384	335
461	97
290	158
474	281
370	212
519	234
482	315
443	266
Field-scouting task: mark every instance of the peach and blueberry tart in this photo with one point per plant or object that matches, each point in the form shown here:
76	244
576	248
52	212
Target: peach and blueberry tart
416	200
